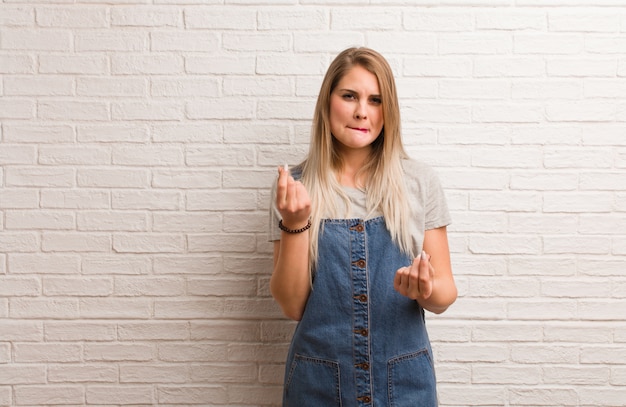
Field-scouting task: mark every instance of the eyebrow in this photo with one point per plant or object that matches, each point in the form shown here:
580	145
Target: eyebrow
353	91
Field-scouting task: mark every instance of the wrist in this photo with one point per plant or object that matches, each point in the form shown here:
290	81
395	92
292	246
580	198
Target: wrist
294	228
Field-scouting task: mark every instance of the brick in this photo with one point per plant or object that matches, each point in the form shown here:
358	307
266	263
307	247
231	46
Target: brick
187	41
69	373
19	242
148	243
111	86
78	331
186	179
512	375
220	373
115	308
370	19
220	65
548	43
544	397
254	86
196	352
149	286
205	87
279	64
21	331
39	308
38	86
72	17
160	373
475	43
155	64
75	199
72	110
437	66
49	394
119	394
566	89
434	20
227	155
517	20
150	111
37	353
189	394
69	155
258	41
16	109
188	309
110	40
293	19
206	132
27	374
17	16
16	64
113	178
148	156
222	242
135	352
231	108
75	242
220	18
19	199
43	263
227	200
183	222
116	264
74	287
147	199
507	66
151	331
36	40
142	16
579	67
106	133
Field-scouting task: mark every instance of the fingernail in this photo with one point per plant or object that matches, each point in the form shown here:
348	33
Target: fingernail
286	168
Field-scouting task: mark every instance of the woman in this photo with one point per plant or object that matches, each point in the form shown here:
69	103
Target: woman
360	249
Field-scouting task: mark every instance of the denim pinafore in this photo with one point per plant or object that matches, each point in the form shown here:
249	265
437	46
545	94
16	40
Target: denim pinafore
359	342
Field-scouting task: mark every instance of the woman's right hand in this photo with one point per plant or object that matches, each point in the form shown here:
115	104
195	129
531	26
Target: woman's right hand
292	200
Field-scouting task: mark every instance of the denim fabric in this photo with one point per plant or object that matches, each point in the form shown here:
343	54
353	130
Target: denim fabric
359	343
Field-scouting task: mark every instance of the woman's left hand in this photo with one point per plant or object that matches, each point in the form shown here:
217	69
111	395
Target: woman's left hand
416	280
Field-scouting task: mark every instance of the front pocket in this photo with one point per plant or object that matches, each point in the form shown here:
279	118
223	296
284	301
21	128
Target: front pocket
312	382
412	380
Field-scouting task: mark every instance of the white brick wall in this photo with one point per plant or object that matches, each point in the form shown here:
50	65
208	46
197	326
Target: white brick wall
139	138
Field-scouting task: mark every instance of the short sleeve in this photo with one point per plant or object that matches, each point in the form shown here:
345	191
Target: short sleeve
436	207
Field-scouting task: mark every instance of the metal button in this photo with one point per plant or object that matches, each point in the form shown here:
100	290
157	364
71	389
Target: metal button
362	297
362	332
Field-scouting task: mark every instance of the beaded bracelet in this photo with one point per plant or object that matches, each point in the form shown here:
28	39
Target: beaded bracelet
282	227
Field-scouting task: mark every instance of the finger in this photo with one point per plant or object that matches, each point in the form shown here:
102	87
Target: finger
413	285
425	276
399	281
281	187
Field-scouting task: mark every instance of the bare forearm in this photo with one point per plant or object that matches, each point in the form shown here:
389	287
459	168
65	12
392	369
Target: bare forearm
444	294
290	283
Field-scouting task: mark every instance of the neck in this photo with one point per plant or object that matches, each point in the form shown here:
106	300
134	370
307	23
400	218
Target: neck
349	174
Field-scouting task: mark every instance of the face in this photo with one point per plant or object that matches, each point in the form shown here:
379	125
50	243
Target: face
356	113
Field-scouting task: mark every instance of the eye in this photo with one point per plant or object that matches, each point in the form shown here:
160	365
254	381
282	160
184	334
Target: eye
348	96
376	100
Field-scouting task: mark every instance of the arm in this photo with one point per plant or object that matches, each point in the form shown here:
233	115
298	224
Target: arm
290	283
429	279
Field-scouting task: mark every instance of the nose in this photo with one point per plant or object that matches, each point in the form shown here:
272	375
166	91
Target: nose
361	111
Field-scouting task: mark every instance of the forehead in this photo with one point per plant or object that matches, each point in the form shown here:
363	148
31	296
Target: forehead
359	79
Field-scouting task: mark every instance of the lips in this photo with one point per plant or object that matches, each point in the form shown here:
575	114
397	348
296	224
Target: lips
359	129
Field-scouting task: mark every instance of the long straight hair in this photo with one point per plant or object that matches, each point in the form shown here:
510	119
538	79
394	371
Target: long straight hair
384	185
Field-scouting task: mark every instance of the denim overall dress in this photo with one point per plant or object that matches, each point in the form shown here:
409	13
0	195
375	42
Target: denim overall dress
359	342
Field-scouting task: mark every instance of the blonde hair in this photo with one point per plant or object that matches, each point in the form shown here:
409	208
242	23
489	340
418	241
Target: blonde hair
385	189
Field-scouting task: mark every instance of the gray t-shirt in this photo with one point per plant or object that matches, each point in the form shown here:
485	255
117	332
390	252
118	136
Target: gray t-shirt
427	201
